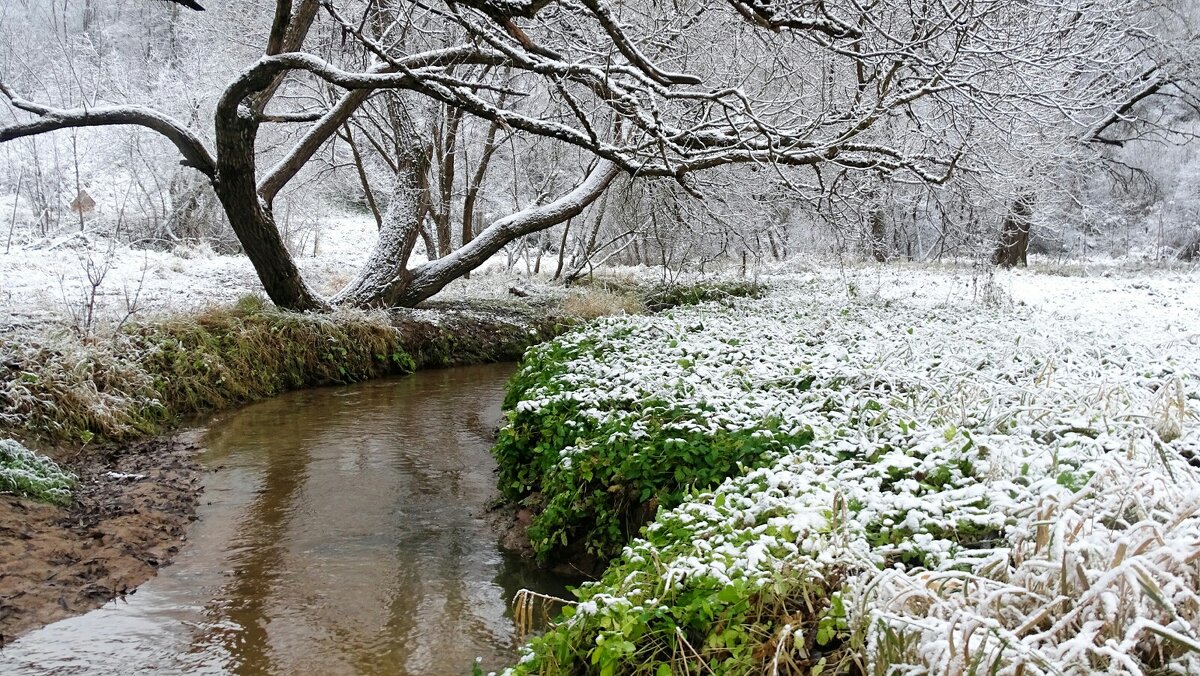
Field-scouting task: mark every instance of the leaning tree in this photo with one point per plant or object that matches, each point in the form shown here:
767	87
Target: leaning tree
643	87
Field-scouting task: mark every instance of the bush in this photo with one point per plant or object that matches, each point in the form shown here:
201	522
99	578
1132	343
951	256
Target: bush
668	295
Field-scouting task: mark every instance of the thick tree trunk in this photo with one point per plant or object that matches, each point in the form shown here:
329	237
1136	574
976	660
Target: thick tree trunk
251	217
386	270
1013	249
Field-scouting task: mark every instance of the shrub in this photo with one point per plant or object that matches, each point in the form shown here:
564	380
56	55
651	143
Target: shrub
669	295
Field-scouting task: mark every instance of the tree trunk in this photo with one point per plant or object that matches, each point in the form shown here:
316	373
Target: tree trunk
879	244
386	270
447	163
433	276
562	249
362	176
1191	250
252	219
1014	234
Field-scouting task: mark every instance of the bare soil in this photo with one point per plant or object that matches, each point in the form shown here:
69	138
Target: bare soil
511	523
130	516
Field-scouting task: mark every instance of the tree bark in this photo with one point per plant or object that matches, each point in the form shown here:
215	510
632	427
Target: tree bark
433	276
385	272
1013	249
879	244
251	217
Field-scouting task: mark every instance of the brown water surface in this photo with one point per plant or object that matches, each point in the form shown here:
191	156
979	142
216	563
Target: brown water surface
340	532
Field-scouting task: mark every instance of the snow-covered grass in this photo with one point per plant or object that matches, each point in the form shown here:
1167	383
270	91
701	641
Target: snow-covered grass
151	374
27	473
939	472
89	283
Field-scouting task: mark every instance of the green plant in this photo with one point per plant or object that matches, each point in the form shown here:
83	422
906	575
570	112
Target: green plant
666	296
30	474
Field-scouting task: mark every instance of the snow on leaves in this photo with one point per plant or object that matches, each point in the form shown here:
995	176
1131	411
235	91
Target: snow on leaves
1008	491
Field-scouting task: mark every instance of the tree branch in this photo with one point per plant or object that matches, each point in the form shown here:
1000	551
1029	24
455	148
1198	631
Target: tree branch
431	277
194	152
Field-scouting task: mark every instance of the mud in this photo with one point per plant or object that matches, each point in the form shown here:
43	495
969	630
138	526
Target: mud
511	521
130	516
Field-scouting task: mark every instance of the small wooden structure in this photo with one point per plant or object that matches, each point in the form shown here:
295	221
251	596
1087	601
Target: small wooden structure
83	204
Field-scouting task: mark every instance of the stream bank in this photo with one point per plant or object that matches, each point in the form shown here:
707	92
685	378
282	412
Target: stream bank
342	530
101	409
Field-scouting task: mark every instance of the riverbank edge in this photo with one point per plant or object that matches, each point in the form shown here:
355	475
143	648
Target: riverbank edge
138	481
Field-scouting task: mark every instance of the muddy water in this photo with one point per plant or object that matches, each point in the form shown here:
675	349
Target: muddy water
340	532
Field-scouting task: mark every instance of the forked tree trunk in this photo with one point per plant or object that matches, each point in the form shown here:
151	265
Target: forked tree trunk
1013	249
387	267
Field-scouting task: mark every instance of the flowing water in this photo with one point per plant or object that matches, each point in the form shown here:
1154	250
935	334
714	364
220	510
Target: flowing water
340	532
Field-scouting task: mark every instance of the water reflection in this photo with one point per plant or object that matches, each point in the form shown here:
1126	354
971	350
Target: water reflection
341	534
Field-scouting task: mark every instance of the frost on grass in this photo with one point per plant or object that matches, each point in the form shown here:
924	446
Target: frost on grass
985	491
27	473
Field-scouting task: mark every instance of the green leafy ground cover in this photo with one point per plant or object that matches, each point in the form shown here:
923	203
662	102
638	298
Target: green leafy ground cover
26	473
846	485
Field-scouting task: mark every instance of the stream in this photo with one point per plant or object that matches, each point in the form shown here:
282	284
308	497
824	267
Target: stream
341	531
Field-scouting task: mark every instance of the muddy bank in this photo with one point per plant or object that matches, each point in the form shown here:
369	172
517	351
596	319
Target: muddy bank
130	516
511	522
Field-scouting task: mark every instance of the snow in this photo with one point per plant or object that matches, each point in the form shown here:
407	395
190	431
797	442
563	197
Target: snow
45	285
1013	439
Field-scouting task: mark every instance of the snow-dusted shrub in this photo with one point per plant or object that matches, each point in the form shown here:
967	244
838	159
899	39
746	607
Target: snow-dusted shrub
984	491
668	295
27	473
604	452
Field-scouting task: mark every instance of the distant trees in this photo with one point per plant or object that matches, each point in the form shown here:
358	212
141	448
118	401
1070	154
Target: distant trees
802	92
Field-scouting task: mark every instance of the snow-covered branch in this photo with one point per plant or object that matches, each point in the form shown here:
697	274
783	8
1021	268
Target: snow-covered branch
47	119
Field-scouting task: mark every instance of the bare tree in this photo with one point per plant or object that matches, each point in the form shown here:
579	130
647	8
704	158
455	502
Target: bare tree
640	88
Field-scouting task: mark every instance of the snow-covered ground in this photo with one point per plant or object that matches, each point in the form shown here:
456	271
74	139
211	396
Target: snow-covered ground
1154	305
47	284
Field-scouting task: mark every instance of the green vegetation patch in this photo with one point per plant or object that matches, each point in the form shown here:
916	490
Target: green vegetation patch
904	488
669	295
32	475
595	470
251	351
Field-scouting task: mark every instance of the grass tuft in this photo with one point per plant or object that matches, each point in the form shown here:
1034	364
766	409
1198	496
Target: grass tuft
594	302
